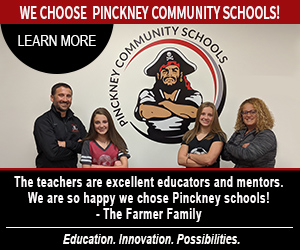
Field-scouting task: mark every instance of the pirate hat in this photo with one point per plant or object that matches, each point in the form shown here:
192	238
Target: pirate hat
170	55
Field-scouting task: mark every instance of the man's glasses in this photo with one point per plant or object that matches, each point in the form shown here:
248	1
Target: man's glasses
251	112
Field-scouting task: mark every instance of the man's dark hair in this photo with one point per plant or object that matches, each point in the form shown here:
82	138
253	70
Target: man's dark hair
60	84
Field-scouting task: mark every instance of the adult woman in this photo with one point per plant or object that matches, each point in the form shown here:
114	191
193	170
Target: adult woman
103	146
201	146
253	144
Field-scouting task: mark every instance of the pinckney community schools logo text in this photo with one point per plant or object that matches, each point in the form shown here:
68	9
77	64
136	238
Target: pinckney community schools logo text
166	72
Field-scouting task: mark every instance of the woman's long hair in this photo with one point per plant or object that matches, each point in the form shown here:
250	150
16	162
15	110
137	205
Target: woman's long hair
112	132
215	125
265	119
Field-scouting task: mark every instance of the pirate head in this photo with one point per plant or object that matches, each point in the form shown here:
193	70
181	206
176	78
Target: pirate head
170	67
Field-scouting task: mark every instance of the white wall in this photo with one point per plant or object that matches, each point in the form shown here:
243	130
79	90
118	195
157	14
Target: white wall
264	61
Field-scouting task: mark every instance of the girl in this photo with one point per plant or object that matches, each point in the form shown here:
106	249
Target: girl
202	146
103	146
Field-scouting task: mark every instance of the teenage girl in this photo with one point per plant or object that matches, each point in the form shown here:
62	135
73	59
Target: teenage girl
202	145
103	146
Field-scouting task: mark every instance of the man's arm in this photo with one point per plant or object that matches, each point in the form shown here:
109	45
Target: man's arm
166	109
184	111
48	144
151	111
148	108
76	146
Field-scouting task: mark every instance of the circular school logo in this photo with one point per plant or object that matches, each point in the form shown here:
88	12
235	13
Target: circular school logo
165	81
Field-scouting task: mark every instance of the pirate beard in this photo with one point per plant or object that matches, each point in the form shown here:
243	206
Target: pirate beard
169	89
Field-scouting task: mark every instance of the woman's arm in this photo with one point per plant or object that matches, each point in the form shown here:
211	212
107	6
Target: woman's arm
226	156
122	163
263	142
95	166
183	159
212	155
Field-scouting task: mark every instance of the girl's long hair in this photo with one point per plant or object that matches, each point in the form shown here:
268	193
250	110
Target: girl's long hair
215	126
112	132
265	119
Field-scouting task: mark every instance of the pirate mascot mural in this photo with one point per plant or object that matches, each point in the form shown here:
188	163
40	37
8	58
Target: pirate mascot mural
171	105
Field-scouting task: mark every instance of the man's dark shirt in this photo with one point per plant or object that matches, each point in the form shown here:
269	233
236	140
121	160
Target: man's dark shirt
50	128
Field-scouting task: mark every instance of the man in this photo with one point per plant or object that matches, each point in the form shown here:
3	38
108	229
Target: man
171	105
58	133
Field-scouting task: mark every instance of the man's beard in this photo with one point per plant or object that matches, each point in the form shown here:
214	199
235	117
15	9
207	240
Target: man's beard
169	88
